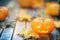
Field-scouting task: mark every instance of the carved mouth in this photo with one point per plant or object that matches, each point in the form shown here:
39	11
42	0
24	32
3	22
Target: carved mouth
44	31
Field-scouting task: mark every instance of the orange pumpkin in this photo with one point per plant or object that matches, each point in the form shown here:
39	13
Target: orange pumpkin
3	13
40	27
25	3
37	3
53	8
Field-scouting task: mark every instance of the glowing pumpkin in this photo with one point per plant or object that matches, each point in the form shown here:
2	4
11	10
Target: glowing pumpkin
53	8
37	3
3	13
24	3
40	27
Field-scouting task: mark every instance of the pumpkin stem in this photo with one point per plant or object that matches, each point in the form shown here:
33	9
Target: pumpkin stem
42	12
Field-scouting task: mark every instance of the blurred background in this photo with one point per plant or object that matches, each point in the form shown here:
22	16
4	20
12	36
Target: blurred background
16	18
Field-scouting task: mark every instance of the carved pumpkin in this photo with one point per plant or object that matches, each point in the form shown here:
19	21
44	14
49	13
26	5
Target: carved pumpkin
24	3
37	3
53	8
40	27
3	13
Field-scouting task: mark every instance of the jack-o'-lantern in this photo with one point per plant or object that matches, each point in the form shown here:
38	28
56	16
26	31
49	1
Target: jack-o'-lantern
37	3
3	13
24	3
41	27
53	8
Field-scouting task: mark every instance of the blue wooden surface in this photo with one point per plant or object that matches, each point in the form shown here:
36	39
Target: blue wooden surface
7	33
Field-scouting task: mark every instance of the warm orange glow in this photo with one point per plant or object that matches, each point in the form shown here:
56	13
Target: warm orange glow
42	27
37	3
24	3
3	13
53	8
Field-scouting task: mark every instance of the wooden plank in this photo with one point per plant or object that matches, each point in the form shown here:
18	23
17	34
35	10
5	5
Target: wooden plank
19	27
11	17
28	25
1	32
7	33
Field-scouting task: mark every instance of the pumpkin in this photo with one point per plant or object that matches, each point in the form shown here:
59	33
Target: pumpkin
37	3
3	13
41	27
53	8
24	3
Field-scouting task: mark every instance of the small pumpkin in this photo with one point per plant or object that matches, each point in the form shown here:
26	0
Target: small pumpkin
3	13
53	8
40	27
37	3
24	3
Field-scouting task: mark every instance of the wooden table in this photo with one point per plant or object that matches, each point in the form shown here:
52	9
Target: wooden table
11	32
